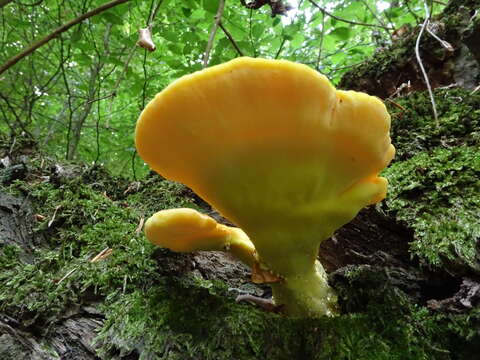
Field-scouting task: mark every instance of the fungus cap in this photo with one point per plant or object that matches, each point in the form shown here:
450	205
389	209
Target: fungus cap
274	147
186	230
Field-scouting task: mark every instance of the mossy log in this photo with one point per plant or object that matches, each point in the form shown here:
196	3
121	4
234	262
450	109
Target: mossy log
79	281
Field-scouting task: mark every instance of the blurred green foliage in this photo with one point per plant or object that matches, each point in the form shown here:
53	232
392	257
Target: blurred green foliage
91	82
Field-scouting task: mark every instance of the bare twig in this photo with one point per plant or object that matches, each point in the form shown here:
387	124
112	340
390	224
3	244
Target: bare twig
100	98
407	5
347	66
97	123
66	275
102	255
153	14
19	121
376	16
266	304
250	36
12	61
444	43
232	40
140	225
403	86
125	68
213	31
320	46
124	288
54	215
420	63
325	12
284	38
397	105
280	48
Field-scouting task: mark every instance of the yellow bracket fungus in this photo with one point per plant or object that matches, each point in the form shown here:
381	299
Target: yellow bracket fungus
279	152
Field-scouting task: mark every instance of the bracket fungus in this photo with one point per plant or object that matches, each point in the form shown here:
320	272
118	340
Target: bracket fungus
277	150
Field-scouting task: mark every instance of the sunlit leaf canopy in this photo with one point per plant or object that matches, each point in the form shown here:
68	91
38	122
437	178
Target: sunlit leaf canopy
79	95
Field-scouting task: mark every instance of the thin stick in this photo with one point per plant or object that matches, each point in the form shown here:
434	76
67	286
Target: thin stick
66	275
101	255
232	40
213	31
398	106
280	48
320	46
420	63
444	43
12	61
325	12
376	16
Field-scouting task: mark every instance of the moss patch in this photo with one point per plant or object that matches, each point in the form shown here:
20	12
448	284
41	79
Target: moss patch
185	319
434	181
414	129
437	194
156	305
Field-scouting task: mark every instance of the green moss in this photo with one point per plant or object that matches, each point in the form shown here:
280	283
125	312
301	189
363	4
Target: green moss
183	318
434	181
157	307
156	193
79	223
414	128
437	194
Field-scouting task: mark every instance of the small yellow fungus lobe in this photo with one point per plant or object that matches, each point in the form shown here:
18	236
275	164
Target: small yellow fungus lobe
278	151
185	230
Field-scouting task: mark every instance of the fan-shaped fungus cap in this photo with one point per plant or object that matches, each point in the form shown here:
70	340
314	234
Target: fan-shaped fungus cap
185	230
275	148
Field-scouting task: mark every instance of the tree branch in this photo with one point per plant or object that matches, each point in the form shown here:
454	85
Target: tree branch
12	61
325	12
213	31
232	40
420	63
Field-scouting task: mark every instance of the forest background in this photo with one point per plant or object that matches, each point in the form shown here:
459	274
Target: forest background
79	94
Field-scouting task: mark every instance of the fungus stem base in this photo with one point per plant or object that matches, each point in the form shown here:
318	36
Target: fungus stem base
306	295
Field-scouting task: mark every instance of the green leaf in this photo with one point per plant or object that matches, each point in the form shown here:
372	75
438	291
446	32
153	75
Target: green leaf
211	5
198	14
173	62
77	35
237	32
190	37
112	18
83	59
176	48
342	33
352	11
393	12
120	10
257	30
169	35
113	59
297	40
187	12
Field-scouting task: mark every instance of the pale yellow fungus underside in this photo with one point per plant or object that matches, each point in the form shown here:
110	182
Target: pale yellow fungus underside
271	145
